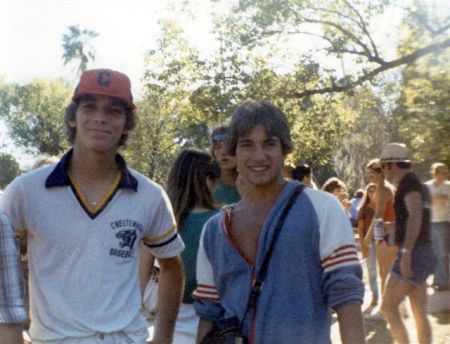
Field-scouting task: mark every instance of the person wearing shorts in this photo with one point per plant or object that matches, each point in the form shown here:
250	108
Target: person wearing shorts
415	260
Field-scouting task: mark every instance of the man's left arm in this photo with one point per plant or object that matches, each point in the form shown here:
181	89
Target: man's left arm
414	205
342	278
351	325
170	293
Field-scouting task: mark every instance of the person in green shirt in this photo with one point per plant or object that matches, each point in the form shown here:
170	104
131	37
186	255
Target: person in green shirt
191	179
226	191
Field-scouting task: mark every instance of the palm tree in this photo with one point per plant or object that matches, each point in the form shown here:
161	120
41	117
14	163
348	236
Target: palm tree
77	46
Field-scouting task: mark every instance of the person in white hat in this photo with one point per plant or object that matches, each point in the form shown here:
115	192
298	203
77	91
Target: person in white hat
416	259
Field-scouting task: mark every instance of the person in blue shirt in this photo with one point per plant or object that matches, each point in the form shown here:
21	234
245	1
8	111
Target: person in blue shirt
314	266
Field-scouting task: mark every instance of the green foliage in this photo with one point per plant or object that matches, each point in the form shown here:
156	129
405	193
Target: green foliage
423	111
341	34
151	147
318	61
167	119
34	114
77	47
365	133
9	168
422	108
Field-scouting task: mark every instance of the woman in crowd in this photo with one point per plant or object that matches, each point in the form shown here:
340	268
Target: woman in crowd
365	216
191	179
334	186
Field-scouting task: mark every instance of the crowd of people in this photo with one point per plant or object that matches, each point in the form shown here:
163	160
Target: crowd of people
246	248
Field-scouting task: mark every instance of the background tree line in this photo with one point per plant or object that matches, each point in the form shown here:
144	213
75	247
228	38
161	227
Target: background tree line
326	64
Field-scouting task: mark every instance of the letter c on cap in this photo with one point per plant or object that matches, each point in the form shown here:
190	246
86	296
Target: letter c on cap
104	78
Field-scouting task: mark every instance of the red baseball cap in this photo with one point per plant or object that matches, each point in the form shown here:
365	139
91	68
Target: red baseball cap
105	82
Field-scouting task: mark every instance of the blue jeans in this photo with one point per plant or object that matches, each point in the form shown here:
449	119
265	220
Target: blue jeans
371	263
440	232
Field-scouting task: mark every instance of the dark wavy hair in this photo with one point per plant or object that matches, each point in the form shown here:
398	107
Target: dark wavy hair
300	171
187	182
249	114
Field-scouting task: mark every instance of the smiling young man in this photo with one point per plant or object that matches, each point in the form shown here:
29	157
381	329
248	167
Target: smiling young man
313	266
84	218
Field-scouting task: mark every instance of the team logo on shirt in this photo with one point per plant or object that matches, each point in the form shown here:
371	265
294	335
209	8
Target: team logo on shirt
127	234
128	237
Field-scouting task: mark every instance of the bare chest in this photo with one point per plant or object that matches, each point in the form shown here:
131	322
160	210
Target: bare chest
246	229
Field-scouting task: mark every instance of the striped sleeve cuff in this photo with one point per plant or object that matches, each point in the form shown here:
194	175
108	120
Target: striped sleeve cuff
162	239
342	256
206	292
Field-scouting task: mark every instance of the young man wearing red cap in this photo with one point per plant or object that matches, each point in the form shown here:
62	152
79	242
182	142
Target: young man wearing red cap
415	260
84	218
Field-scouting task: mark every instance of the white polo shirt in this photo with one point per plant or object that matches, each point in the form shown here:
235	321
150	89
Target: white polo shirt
84	264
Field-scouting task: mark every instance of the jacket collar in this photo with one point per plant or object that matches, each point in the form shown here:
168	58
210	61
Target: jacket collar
60	177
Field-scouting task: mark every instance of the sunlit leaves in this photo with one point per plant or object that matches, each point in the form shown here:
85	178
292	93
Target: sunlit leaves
34	113
10	169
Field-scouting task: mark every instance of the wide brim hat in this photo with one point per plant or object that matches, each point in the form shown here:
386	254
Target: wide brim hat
395	152
105	82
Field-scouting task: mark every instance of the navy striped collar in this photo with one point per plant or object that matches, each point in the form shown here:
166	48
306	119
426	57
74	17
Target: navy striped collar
60	177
